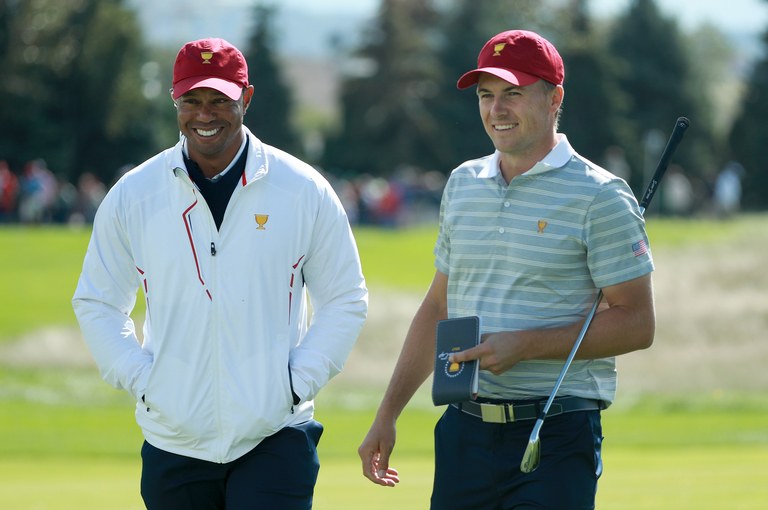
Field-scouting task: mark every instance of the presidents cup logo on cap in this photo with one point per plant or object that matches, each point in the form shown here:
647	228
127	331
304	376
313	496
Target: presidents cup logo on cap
497	48
210	63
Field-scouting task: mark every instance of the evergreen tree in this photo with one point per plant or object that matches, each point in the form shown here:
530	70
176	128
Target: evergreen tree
749	136
112	124
269	116
7	13
594	115
384	120
73	68
656	74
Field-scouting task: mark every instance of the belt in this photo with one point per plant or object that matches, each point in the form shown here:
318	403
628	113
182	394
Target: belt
510	412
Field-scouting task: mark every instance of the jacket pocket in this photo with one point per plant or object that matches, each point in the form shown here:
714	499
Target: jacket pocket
296	398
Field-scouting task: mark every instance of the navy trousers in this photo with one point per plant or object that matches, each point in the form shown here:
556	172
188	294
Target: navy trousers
279	474
477	464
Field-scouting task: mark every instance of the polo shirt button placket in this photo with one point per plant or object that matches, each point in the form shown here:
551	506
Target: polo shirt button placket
506	204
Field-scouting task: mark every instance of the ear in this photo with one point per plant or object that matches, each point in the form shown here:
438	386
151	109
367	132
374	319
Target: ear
558	93
247	96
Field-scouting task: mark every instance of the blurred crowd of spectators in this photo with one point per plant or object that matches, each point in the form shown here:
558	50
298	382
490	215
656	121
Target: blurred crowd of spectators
409	197
37	196
719	196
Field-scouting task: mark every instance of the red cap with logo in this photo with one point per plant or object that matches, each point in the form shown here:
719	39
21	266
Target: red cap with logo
210	63
519	57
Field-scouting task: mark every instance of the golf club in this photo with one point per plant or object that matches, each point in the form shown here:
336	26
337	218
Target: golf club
532	454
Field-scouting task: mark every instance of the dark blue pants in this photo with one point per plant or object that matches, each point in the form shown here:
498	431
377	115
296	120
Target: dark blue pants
279	474
477	464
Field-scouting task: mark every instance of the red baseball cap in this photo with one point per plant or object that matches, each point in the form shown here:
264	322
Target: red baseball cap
519	57
211	63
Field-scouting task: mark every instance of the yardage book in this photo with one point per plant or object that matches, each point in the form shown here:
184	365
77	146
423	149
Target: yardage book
455	382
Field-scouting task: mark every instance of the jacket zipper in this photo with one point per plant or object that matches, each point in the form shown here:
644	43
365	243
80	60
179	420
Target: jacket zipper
293	393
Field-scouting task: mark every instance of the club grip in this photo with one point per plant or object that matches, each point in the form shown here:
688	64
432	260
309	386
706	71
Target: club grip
681	125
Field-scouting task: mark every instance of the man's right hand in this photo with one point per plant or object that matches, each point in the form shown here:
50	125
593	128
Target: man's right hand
375	451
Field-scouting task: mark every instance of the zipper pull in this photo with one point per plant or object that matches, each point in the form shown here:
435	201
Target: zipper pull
213	249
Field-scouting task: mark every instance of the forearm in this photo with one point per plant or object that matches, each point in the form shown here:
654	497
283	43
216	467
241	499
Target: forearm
625	323
613	331
411	370
416	360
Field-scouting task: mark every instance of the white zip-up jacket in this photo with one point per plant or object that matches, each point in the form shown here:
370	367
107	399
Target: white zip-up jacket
226	338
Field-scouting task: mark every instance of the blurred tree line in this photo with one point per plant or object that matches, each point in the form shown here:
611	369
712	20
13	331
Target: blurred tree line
83	90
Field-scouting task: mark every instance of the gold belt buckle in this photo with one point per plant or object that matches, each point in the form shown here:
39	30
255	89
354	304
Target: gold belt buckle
493	413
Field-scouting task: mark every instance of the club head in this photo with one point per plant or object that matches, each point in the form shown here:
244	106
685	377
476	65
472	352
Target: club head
531	456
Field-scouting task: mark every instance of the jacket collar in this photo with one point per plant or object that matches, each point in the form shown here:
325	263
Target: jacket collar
256	165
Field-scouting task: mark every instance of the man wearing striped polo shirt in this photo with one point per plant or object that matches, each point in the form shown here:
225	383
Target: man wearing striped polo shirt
528	236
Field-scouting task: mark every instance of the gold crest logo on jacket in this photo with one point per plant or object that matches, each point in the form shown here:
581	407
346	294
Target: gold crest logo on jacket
261	220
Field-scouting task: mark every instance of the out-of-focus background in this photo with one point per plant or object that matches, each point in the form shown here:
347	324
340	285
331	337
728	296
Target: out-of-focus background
365	91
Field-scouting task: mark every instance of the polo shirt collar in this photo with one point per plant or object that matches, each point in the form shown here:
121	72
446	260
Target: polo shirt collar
217	177
556	158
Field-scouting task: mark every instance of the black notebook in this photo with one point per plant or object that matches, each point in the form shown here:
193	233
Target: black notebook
455	382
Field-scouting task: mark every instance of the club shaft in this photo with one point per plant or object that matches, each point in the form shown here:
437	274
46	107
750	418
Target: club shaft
681	125
571	355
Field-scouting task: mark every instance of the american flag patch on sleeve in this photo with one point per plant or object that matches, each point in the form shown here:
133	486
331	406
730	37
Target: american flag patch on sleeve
640	248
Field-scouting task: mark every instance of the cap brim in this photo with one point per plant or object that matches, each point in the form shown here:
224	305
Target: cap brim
229	89
514	77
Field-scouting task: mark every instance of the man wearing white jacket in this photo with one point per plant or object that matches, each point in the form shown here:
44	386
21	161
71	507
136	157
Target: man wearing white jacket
225	236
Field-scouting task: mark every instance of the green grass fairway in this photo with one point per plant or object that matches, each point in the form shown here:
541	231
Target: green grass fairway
39	268
62	483
651	479
57	453
716	477
647	479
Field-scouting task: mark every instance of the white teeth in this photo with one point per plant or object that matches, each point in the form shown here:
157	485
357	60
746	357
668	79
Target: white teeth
503	127
209	132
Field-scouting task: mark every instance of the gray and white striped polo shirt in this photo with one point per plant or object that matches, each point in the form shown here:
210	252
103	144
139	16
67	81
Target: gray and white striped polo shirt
532	255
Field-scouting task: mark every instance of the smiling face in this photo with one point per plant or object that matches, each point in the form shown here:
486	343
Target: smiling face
212	124
519	120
